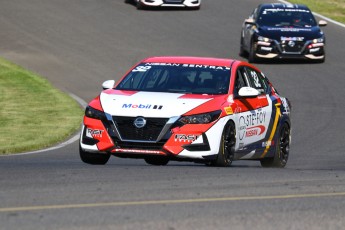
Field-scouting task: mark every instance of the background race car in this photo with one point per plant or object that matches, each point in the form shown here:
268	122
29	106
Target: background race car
141	4
275	31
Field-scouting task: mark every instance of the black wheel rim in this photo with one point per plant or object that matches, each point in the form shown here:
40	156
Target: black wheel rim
284	144
229	144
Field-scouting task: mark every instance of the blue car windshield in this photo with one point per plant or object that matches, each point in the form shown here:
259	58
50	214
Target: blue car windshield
286	17
177	78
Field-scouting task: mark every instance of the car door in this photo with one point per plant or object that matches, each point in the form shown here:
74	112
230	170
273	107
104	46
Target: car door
253	112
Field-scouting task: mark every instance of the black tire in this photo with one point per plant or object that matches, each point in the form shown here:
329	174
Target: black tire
139	5
227	146
157	160
252	58
281	155
242	51
93	158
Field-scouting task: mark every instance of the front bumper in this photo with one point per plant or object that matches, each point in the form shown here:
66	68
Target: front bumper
163	138
171	3
288	49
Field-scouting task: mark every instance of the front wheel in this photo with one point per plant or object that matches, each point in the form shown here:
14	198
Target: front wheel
252	58
281	154
93	158
227	146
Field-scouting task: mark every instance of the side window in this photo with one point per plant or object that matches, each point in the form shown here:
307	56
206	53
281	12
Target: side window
256	80
240	80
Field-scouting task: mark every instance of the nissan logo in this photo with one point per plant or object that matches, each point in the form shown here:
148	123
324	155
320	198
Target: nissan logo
139	122
291	43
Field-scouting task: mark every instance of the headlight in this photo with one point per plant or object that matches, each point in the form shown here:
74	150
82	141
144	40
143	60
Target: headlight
318	40
263	39
94	113
200	118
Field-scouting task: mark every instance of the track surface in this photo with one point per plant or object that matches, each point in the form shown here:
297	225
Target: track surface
77	44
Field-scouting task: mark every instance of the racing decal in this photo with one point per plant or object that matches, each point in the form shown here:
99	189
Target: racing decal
267	143
94	133
300	39
185	138
255	131
141	106
252	124
289	29
185	65
139	151
286	106
275	124
141	68
228	110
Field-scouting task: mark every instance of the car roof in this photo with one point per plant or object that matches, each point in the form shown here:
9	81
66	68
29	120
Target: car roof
282	5
191	60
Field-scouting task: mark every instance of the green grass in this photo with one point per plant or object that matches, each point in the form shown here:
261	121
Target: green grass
334	9
33	114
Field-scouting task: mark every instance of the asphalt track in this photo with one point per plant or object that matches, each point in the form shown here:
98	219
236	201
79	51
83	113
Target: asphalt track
77	44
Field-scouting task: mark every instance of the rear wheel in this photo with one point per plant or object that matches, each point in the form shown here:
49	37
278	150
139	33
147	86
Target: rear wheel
139	5
227	146
281	155
157	160
93	158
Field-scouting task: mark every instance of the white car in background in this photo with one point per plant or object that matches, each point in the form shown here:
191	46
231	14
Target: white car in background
168	3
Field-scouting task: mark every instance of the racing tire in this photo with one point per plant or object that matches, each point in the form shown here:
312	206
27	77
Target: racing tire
139	5
93	158
157	160
242	52
252	58
281	154
226	152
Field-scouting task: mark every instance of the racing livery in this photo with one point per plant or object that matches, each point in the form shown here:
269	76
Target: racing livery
204	110
195	4
279	30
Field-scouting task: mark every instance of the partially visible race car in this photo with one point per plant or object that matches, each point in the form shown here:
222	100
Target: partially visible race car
203	110
195	4
277	30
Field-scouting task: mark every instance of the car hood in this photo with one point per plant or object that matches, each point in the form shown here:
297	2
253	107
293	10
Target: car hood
298	33
149	104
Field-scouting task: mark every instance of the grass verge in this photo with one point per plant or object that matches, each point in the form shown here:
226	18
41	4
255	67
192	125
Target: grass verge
334	9
33	114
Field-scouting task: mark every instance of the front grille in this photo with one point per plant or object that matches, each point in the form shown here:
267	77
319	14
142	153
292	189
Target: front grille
296	48
173	1
149	132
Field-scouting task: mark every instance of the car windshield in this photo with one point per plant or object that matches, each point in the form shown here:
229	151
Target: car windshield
286	17
177	78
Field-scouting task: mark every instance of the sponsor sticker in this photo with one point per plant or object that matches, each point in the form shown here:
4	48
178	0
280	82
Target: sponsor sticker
186	137
228	110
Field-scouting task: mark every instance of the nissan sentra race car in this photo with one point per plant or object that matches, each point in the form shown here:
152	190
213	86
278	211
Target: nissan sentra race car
204	110
193	4
276	30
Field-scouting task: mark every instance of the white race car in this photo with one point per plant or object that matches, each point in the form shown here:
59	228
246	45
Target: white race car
195	109
168	3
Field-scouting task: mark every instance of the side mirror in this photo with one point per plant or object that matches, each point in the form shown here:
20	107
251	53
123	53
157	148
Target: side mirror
108	84
322	23
249	21
248	92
